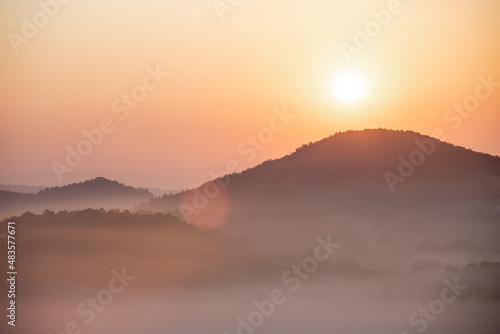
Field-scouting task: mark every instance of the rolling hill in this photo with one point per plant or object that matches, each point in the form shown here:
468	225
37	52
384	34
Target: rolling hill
95	193
376	176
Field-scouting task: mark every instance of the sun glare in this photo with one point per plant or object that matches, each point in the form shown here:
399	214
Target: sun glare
349	87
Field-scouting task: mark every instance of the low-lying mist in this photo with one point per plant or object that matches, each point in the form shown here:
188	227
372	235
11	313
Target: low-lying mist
117	272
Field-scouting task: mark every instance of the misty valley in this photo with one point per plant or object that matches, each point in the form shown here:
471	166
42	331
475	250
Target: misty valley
314	242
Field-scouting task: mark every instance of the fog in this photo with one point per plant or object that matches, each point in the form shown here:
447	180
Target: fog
179	278
334	307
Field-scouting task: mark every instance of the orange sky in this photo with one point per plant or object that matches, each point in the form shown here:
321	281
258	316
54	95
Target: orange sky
227	76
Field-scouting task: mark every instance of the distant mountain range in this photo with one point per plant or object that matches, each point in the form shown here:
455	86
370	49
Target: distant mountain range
131	178
378	177
95	193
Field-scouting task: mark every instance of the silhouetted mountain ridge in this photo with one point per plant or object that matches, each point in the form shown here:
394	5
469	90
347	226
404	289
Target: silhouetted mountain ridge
98	186
95	193
372	152
344	176
360	159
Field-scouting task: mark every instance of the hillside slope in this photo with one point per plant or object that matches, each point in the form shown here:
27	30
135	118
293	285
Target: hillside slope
96	193
348	176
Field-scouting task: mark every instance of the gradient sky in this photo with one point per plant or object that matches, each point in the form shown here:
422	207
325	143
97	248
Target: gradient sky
227	76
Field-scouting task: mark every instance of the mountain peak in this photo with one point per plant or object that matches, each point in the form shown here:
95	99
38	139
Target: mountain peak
96	185
369	171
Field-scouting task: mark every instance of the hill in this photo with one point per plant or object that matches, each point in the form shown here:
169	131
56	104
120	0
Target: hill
95	193
376	176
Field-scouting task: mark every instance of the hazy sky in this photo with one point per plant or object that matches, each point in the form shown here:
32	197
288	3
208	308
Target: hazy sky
226	77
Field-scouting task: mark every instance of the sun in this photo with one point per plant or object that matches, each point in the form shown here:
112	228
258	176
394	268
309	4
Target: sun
349	87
